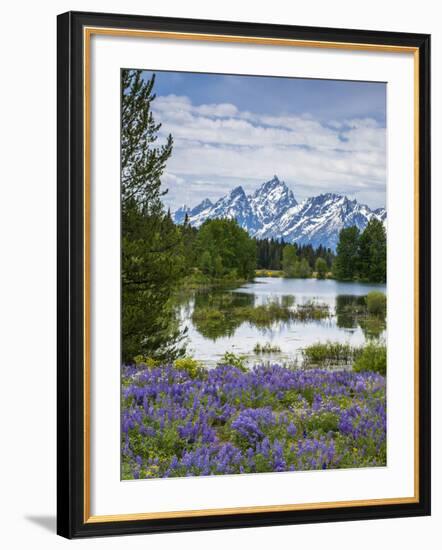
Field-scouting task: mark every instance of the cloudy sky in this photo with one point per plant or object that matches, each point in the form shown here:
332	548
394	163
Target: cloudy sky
317	135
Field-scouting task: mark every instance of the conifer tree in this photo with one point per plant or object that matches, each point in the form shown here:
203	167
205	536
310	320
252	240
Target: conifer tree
345	265
151	245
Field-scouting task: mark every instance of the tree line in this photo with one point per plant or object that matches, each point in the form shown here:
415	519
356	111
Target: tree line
362	256
270	254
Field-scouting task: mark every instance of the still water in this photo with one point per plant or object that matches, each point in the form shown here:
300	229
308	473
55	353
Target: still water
209	340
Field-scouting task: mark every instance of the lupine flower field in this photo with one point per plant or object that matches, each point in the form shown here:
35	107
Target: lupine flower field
271	418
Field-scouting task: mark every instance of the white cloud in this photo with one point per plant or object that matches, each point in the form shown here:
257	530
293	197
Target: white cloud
220	144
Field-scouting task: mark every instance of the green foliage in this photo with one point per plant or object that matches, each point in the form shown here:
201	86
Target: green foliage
148	361
189	365
234	360
329	353
372	358
289	261
377	303
372	253
345	265
323	422
220	316
362	256
321	268
292	265
225	249
268	273
277	420
304	270
142	163
270	254
266	348
151	261
311	311
372	326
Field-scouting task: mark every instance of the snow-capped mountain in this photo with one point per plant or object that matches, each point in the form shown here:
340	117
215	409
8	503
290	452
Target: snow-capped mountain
272	212
200	210
272	199
318	220
236	205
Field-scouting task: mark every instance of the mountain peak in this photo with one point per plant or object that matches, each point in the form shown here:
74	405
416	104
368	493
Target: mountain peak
206	203
237	191
273	212
270	184
271	200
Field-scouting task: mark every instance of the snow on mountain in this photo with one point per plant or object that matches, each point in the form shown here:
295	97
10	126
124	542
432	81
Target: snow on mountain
201	210
271	200
318	220
273	212
234	206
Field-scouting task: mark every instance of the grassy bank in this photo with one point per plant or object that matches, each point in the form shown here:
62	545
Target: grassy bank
269	273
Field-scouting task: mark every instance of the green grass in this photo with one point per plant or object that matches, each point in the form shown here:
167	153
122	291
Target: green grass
330	353
311	311
265	314
266	348
372	358
269	273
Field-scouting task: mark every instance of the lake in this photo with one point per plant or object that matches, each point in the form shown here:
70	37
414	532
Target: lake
209	340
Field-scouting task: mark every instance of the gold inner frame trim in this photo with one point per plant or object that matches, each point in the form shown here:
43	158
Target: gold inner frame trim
87	34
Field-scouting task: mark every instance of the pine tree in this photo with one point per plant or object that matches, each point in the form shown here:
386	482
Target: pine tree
321	268
152	255
290	261
346	263
373	252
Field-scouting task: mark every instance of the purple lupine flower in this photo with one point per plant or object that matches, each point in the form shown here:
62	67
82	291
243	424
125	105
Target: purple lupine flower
164	404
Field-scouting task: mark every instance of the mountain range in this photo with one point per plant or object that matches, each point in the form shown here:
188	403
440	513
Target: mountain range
273	212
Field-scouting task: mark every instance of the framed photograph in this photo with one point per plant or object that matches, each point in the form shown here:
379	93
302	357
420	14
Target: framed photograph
243	274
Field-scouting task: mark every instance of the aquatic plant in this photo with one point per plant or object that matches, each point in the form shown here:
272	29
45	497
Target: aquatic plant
376	303
266	348
328	353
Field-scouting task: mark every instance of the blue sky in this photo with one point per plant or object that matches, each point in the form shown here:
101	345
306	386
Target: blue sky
317	135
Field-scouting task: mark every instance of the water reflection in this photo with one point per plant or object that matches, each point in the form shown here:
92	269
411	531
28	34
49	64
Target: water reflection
213	313
264	312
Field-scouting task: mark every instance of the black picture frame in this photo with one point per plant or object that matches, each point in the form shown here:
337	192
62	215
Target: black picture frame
71	396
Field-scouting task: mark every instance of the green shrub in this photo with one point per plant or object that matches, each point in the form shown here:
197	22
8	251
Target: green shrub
330	352
372	326
230	358
189	365
376	303
321	268
372	358
149	362
266	348
324	422
207	314
311	311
